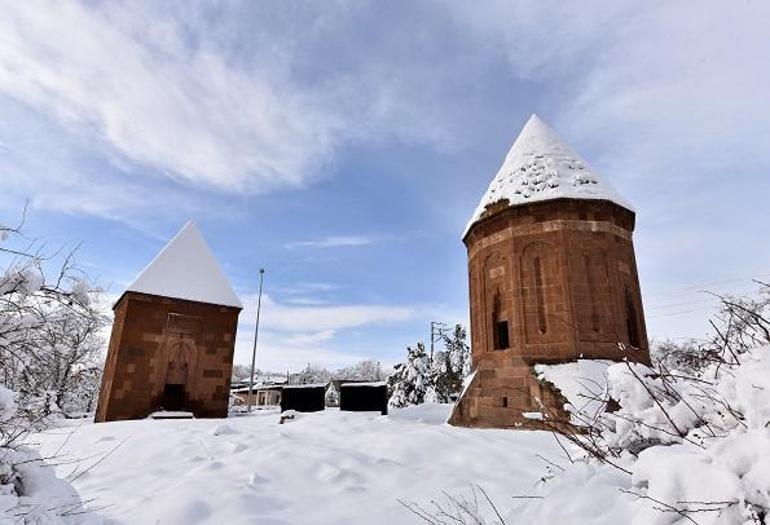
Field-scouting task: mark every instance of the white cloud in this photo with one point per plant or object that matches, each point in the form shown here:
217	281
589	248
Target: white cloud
314	319
306	301
539	38
275	354
292	336
338	241
208	100
173	98
137	86
309	339
680	86
647	84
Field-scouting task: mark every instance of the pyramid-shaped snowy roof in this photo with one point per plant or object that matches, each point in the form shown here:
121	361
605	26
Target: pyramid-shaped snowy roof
540	166
186	269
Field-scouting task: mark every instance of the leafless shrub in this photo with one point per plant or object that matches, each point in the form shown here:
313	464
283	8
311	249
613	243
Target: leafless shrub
456	510
49	354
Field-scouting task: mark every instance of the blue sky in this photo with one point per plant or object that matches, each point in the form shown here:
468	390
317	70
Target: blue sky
343	145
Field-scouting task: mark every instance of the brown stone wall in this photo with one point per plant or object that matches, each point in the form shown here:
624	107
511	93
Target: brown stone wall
166	351
505	393
562	275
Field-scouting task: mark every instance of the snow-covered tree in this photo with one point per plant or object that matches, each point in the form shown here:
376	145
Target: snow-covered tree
311	374
439	380
459	351
242	372
366	370
82	391
48	339
411	380
450	367
332	396
49	329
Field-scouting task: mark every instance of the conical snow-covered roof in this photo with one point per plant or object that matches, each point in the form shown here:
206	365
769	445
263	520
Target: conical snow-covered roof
186	269
540	166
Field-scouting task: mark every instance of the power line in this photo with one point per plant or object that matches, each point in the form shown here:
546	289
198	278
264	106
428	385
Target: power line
437	330
677	313
693	288
659	306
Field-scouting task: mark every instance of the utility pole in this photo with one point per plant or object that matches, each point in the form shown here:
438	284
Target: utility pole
437	330
256	336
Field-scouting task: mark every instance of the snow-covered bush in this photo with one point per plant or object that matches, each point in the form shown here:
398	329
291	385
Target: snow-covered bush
30	492
687	441
366	370
332	396
450	367
49	347
311	374
688	355
410	380
439	380
678	449
50	340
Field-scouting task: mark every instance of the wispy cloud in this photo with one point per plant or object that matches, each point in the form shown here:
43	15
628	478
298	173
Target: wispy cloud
140	89
313	319
310	338
276	354
293	335
650	85
306	301
339	241
305	288
164	93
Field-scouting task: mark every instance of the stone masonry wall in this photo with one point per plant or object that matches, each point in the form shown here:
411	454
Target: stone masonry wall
159	341
558	281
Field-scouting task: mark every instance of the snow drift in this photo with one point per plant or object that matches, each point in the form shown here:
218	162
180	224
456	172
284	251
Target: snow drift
682	448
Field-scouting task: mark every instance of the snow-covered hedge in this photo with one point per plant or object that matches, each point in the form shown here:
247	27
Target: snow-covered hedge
30	492
682	447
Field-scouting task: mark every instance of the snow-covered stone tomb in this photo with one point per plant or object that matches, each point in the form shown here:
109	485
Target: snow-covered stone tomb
173	336
552	278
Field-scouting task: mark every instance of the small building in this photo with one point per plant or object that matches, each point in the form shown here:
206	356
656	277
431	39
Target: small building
262	395
173	337
358	396
266	391
552	279
304	398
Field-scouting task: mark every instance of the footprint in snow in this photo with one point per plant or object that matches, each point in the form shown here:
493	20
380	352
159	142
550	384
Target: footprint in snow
255	479
327	472
221	430
239	447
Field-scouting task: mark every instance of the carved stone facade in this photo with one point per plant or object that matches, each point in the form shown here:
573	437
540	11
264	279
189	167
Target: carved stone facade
167	353
550	282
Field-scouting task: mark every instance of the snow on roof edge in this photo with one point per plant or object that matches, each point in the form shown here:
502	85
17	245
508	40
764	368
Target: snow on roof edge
541	167
365	383
185	268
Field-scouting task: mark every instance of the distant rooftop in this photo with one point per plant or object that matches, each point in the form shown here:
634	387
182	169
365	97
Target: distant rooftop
308	385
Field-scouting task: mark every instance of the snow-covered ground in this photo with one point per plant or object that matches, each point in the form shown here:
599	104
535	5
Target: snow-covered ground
329	467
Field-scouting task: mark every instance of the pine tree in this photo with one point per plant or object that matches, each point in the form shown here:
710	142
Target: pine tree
452	366
311	374
411	380
332	395
441	378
